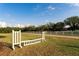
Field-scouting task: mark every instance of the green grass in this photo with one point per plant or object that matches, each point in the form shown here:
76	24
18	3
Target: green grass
64	46
53	46
7	37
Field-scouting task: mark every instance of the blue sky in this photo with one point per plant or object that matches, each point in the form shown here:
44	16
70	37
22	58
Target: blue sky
36	13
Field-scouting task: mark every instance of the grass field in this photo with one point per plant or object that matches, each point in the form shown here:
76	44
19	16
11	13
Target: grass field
53	46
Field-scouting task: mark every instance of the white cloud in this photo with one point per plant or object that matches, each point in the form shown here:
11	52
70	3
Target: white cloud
51	8
3	24
46	21
20	25
48	11
75	4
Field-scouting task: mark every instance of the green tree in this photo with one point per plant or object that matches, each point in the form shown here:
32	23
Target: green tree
59	26
72	21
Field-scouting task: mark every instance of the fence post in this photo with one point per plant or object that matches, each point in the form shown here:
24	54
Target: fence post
13	40
20	39
56	32
72	32
43	36
63	32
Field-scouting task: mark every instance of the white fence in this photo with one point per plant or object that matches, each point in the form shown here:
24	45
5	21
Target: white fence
16	39
68	33
29	42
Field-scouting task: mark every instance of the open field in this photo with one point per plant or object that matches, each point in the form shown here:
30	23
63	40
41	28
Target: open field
53	46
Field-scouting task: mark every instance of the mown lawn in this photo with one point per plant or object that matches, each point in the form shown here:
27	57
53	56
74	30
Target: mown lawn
53	46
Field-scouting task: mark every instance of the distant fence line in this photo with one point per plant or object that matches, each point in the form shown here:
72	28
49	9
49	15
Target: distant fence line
69	33
35	32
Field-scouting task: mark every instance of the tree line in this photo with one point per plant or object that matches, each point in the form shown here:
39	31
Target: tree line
72	21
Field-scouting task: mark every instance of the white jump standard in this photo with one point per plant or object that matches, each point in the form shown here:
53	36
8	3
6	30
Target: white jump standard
16	39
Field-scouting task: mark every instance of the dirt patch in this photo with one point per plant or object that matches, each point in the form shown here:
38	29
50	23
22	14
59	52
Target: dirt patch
4	48
1	40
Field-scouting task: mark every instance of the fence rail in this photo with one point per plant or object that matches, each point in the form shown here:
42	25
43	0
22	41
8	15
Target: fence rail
34	41
67	33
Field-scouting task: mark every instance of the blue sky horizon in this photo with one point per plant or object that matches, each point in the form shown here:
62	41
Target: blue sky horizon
37	13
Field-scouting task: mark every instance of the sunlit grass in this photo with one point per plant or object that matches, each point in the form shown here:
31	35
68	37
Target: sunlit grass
7	37
53	46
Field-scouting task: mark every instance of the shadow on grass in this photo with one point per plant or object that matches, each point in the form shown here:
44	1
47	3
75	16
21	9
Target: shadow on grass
2	36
